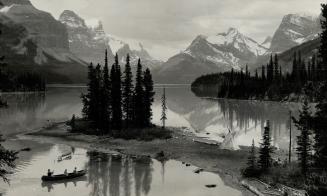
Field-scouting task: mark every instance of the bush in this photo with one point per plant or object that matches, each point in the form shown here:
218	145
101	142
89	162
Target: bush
251	173
146	134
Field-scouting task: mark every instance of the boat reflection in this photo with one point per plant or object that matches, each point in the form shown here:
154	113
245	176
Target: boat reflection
50	185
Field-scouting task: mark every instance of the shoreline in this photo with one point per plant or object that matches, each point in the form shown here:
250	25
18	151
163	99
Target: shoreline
181	147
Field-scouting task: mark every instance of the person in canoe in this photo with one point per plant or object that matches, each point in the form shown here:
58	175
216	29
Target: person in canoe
65	172
50	173
75	170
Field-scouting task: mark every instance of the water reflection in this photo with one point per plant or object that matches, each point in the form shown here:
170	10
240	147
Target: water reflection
207	118
28	111
214	118
115	175
108	175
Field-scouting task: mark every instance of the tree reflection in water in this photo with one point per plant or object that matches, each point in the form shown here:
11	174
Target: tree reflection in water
109	174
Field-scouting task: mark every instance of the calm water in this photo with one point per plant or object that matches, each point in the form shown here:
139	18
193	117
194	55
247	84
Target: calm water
107	176
207	118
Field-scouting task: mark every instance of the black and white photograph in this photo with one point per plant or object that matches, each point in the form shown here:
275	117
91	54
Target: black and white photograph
163	97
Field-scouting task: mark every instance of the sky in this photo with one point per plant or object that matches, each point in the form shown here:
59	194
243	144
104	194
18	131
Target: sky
166	27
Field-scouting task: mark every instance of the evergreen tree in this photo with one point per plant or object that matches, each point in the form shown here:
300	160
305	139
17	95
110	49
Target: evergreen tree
303	142
88	99
98	118
320	128
164	108
251	168
73	123
116	94
231	79
265	149
148	96
313	68
7	161
105	97
247	73
128	93
139	119
294	68
270	70
276	69
263	73
323	42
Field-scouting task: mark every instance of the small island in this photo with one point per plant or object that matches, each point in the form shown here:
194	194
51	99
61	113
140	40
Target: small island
116	106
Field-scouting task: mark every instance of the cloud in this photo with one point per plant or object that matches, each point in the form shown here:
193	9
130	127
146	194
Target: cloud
174	23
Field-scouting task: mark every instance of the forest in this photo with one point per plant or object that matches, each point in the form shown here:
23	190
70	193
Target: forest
270	83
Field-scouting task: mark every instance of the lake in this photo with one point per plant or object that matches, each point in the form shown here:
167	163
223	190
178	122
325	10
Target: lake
108	175
207	118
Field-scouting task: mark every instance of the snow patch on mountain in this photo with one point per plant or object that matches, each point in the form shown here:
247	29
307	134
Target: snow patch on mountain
239	41
294	30
267	42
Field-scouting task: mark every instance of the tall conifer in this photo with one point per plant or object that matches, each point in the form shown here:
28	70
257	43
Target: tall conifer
128	93
139	97
148	96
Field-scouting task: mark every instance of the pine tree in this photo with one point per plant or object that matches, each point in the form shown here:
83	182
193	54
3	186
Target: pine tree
265	149
251	168
128	93
164	109
320	127
270	70
323	42
263	73
73	123
303	142
139	119
98	118
148	96
247	73
294	68
7	161
116	94
89	102
276	69
105	97
313	68
231	79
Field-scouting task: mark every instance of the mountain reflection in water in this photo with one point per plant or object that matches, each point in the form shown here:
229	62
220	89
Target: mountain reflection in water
205	117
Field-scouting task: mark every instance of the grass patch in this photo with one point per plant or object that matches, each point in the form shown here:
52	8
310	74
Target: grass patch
143	134
315	182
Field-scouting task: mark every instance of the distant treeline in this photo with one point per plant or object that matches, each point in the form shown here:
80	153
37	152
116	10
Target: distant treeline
269	83
114	102
10	81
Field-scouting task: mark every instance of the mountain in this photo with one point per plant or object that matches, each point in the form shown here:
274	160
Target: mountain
34	41
267	42
84	42
89	43
294	30
307	50
208	54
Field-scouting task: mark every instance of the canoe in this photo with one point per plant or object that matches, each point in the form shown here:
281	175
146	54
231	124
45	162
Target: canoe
63	176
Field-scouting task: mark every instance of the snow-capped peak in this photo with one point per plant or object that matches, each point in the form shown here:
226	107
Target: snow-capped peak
299	19
71	19
239	41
